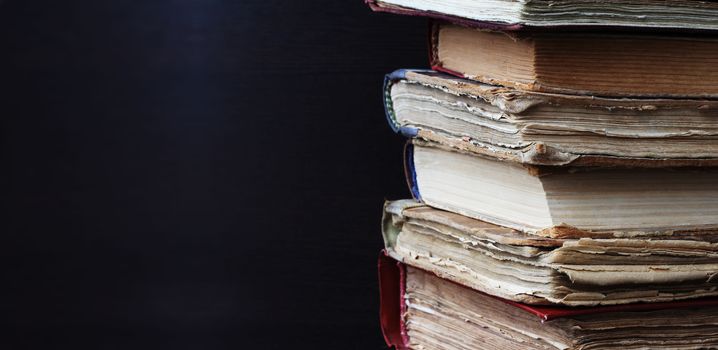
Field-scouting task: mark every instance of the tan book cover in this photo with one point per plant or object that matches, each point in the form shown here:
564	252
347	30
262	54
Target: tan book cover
581	62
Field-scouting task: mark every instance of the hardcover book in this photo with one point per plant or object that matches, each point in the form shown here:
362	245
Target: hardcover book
677	14
422	311
549	201
592	62
551	129
570	270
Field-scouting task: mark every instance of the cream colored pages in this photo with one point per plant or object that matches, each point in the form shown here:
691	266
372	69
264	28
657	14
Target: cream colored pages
634	13
536	270
559	202
555	129
443	315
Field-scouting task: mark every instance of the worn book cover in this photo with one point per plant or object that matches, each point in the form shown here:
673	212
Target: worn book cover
551	129
580	62
537	14
569	268
419	310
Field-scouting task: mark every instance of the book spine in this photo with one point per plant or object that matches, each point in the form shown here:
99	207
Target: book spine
389	80
410	170
392	284
392	220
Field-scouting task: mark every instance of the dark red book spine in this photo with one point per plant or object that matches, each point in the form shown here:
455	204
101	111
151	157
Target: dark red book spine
392	307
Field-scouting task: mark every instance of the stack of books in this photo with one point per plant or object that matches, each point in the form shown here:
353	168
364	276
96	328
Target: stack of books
563	158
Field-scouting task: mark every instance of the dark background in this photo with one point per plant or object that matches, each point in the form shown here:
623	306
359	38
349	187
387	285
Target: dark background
196	174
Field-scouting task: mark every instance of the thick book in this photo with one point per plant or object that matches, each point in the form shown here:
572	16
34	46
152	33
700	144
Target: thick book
511	14
577	62
551	129
422	311
551	201
570	270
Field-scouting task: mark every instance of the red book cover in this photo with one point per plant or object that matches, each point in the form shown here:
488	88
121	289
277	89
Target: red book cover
392	287
391	300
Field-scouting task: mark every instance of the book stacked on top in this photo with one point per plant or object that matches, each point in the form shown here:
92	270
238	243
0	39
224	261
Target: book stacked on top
563	159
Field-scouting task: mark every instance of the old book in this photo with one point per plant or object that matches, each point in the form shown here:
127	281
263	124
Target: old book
546	13
571	270
550	201
581	62
422	311
551	129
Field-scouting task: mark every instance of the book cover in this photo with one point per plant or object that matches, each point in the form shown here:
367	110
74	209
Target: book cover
550	15
393	308
551	129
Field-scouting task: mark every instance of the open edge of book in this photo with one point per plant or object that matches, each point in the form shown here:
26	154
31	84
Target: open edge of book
472	185
513	15
530	128
580	62
433	309
539	270
392	278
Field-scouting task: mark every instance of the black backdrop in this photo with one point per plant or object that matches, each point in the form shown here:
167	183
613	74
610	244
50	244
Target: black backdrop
198	174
